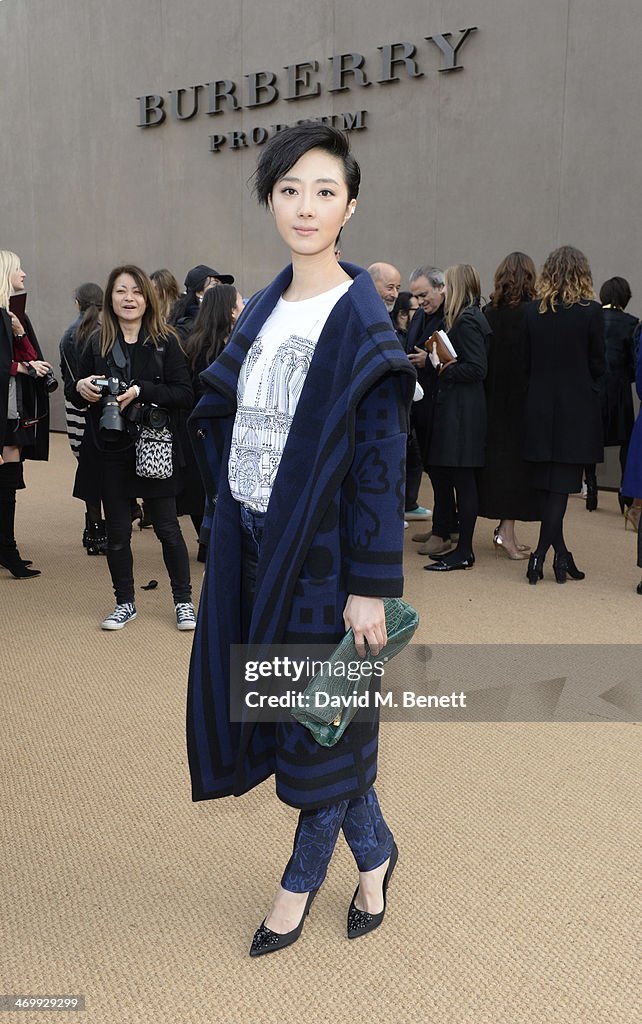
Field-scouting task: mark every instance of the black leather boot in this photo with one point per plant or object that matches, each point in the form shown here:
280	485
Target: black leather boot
96	539
9	554
535	570
564	566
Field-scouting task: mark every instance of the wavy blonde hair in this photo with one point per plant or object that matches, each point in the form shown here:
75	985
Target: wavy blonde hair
9	263
463	288
565	279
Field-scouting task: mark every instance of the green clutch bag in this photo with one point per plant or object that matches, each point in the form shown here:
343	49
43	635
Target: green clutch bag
341	676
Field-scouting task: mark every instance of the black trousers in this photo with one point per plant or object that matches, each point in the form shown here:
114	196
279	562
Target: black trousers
462	481
414	470
162	511
445	519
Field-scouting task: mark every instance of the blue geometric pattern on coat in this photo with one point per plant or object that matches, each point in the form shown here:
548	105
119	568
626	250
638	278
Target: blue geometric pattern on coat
355	398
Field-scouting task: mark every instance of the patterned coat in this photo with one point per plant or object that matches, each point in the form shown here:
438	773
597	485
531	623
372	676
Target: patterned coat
334	527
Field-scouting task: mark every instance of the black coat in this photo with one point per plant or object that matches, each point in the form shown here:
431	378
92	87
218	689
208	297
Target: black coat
33	394
173	392
504	482
420	329
565	359
616	397
459	423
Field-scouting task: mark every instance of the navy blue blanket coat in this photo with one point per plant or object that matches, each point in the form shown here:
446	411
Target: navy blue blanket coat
334	527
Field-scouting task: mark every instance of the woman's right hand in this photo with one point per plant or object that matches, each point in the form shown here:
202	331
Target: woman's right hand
88	391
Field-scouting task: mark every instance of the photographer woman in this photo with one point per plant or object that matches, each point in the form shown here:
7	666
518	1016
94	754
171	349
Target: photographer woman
143	359
24	409
301	434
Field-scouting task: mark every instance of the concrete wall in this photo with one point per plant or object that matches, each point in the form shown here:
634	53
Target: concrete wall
529	146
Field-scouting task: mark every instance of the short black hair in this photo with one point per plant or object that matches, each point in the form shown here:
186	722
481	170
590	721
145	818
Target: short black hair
289	145
615	292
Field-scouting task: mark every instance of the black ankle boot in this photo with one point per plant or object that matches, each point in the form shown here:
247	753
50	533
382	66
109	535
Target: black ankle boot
564	566
96	539
535	570
591	495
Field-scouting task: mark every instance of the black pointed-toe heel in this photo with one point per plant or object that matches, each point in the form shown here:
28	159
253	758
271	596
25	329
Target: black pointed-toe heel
638	589
535	570
360	922
564	566
267	941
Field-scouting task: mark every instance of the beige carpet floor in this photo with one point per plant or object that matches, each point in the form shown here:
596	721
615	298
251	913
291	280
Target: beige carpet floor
516	899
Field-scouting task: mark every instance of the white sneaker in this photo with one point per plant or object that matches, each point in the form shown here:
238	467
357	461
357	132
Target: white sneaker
185	616
121	615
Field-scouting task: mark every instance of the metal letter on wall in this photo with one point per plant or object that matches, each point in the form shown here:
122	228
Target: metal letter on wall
347	64
389	59
150	111
219	91
177	102
299	79
261	82
450	52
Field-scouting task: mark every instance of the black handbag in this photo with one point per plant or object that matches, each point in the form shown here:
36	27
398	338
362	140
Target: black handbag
326	722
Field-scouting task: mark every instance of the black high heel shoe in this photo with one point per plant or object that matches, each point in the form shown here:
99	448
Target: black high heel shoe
440	564
360	922
267	941
563	566
638	589
17	566
535	570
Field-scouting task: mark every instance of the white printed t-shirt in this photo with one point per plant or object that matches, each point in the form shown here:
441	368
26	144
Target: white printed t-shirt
269	387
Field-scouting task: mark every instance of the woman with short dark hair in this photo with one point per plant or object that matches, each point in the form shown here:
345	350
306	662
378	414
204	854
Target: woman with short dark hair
563	429
616	398
301	435
146	382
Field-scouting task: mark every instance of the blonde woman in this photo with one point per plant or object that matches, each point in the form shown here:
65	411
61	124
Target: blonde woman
24	409
458	441
563	424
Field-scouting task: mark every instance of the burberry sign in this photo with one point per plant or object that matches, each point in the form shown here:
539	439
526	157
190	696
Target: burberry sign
341	73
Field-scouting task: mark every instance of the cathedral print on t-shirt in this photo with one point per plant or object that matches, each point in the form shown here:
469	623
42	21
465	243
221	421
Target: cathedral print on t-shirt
261	429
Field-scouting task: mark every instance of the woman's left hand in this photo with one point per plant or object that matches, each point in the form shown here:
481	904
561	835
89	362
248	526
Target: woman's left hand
367	619
127	397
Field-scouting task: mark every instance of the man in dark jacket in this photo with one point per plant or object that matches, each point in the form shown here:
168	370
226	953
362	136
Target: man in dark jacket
427	286
387	281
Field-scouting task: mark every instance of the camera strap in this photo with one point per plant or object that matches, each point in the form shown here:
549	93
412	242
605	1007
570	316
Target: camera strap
119	362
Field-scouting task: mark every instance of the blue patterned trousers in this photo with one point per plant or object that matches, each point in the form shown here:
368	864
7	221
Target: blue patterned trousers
363	825
365	831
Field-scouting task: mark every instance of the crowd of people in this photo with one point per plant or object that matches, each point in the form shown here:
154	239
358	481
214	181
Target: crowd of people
540	385
289	431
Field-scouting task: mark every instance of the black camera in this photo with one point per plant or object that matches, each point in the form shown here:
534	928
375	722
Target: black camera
148	416
51	383
49	380
111	423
